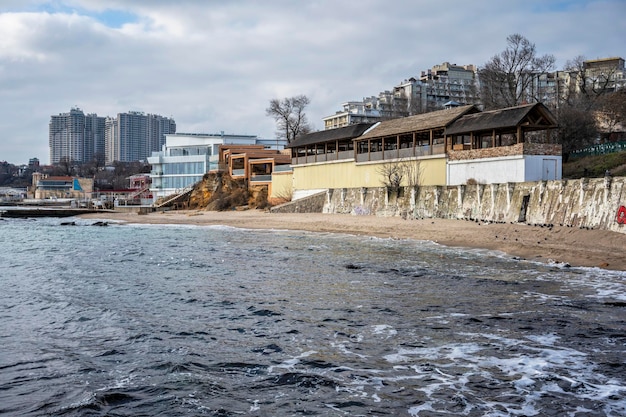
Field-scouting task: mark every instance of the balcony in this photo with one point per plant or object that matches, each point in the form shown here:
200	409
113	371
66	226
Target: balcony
261	178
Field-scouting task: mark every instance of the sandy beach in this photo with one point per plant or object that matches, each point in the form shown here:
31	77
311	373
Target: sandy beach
573	246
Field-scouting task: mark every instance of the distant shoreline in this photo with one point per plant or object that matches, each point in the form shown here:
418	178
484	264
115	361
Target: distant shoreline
558	244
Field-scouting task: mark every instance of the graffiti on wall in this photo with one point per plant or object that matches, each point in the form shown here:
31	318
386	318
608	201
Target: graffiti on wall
621	215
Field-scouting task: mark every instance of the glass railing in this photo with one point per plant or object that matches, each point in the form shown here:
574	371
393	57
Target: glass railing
261	178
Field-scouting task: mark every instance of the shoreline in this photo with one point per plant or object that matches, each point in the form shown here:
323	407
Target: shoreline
557	244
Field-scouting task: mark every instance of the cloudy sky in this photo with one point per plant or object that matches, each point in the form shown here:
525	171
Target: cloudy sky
213	65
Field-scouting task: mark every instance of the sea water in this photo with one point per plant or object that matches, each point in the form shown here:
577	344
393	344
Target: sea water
145	320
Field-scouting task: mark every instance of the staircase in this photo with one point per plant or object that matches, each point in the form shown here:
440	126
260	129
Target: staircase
172	198
138	193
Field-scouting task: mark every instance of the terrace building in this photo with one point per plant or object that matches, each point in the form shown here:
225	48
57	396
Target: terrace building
446	147
186	157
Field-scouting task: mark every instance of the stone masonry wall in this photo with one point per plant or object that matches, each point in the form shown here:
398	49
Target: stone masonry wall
500	151
598	203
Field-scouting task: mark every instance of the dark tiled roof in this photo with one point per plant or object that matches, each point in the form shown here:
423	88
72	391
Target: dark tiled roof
500	119
331	135
420	122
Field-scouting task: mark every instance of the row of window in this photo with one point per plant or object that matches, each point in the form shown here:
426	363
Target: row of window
184	168
180	182
190	150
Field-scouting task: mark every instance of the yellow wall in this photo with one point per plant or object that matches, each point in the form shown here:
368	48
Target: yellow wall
282	185
350	175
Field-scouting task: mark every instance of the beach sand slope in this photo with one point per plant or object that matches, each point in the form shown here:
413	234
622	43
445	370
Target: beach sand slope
558	244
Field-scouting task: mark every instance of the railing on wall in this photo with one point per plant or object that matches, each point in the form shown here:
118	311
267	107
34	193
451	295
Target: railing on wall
283	168
261	178
600	149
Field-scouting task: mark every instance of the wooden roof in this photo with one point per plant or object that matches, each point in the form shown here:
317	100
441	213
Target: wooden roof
276	155
420	122
331	135
533	116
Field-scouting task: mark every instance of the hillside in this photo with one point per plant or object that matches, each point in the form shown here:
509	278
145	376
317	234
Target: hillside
220	192
596	166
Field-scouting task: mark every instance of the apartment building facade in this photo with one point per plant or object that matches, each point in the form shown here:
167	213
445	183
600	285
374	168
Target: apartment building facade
354	113
442	86
74	136
136	135
133	136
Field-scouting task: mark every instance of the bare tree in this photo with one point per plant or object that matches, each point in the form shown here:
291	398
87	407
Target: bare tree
508	78
587	86
577	129
611	114
392	174
413	172
289	116
589	105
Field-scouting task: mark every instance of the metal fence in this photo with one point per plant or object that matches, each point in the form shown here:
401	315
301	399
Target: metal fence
600	149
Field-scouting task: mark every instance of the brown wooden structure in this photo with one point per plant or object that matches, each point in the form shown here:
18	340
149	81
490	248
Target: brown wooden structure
327	145
502	127
253	163
418	135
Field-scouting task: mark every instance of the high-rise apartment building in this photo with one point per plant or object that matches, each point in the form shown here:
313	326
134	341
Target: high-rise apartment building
133	136
111	150
74	136
94	138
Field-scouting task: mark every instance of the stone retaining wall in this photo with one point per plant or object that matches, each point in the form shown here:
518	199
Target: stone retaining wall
598	203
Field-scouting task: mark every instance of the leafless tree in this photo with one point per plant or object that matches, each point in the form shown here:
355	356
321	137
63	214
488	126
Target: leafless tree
289	116
611	113
586	87
588	106
65	167
507	79
392	174
577	129
413	172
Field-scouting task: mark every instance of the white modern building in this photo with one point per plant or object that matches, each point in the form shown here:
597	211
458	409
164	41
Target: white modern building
186	157
353	113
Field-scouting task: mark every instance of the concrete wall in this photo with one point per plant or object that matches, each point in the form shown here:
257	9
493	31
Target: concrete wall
590	203
282	185
515	168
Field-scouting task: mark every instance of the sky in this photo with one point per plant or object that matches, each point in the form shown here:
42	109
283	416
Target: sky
214	65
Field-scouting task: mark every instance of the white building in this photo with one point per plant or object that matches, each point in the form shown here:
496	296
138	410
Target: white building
186	157
353	113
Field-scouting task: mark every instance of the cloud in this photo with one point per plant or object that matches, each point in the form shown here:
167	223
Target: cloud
214	65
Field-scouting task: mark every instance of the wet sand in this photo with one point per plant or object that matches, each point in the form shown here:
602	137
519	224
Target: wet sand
573	246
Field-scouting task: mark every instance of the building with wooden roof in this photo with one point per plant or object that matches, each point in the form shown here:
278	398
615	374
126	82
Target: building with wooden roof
253	163
452	146
505	145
